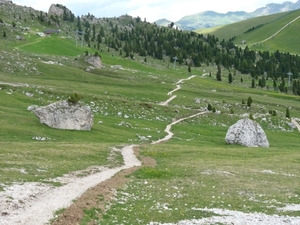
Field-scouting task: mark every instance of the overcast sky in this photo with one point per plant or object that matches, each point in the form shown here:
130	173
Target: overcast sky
152	10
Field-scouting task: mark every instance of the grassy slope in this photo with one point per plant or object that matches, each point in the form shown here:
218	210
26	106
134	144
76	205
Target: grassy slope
236	29
195	169
285	41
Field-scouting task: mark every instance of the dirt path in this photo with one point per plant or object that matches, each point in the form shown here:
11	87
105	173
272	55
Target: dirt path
168	128
178	87
35	203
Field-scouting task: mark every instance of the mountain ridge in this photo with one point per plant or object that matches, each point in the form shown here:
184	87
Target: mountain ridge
208	19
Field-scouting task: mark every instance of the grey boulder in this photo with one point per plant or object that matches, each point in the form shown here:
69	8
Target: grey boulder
248	133
65	115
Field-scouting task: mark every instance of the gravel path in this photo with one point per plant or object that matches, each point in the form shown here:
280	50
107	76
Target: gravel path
178	87
34	203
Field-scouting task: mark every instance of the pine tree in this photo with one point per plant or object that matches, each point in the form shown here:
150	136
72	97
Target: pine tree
253	83
209	107
189	69
249	101
274	84
4	34
287	113
219	74
230	78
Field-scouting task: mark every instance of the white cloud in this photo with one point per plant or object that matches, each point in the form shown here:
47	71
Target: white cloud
150	9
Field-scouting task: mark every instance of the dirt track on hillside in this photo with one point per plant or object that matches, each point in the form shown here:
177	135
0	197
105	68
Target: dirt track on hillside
35	203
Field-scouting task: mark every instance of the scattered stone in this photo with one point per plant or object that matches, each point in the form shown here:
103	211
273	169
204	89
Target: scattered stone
292	125
116	67
41	138
65	115
126	124
95	61
143	138
30	95
31	108
19	38
248	133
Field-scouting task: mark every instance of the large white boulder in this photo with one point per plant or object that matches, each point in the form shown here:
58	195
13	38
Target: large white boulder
65	115
248	133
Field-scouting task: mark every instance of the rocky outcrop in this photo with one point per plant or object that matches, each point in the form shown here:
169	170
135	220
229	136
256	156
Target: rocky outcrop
65	115
55	10
95	61
59	10
248	133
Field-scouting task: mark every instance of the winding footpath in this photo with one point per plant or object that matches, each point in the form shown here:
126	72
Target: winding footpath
277	31
178	87
35	203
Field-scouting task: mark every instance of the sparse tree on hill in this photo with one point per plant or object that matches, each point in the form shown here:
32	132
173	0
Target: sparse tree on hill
253	83
209	107
219	74
189	69
249	101
287	113
4	34
274	84
230	79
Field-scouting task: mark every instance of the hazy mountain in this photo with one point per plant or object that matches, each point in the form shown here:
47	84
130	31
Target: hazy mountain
276	8
209	19
163	22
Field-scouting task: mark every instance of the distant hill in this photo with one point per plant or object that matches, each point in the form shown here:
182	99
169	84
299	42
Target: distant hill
210	19
237	29
163	22
255	32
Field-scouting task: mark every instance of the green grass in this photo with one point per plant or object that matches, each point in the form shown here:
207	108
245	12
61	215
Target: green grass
197	174
195	169
53	45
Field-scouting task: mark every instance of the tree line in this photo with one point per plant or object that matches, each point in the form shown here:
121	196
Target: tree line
132	36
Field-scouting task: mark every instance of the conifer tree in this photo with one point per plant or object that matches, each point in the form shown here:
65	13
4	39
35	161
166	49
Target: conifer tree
249	101
219	74
230	78
253	83
287	113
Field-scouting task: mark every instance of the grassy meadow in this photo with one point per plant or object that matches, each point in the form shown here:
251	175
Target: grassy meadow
195	169
265	26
